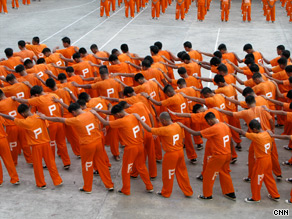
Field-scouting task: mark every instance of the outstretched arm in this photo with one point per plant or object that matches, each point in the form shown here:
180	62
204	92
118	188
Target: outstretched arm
186	115
52	119
145	126
237	88
102	120
192	132
240	131
228	113
195	99
7	116
277	102
284	137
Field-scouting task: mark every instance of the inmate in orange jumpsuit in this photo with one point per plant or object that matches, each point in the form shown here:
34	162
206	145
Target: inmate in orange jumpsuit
39	139
27	2
173	160
262	171
104	7
6	156
15	3
155	8
225	7
218	137
91	149
201	4
3	4
180	9
129	4
271	11
246	10
131	134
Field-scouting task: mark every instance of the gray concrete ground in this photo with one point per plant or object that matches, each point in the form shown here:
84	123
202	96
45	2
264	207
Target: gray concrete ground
51	20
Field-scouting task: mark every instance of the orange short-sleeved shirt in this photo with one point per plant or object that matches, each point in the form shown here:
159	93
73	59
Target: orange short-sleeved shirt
108	88
39	70
25	54
257	57
99	103
274	61
56	59
216	101
86	126
142	110
151	73
130	130
194	54
124	57
268	89
37	49
11	63
231	57
122	68
31	79
262	144
282	75
36	129
67	52
149	87
218	138
230	92
176	103
9	107
84	69
19	90
190	92
257	113
260	101
46	105
171	137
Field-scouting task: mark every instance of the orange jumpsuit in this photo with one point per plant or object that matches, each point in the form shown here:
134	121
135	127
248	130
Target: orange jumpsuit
47	106
225	6
173	160
6	156
3	3
26	2
15	3
271	11
246	10
201	9
155	8
91	149
262	171
218	140
16	135
104	7
180	9
289	9
129	3
131	134
38	139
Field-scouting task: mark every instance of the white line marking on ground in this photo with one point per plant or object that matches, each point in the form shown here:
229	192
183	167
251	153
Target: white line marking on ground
64	28
123	28
215	48
97	26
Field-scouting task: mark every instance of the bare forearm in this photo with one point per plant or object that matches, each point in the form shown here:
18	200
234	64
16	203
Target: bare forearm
7	116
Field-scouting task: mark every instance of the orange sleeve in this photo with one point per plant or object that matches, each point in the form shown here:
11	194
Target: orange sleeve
249	83
286	106
214	69
35	101
243	104
247	72
161	131
274	61
138	89
210	101
240	114
195	118
23	123
251	136
289	116
209	132
276	69
96	85
118	123
286	83
167	102
71	121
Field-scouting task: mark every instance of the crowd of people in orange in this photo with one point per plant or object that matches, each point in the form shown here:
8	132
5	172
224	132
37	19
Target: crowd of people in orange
97	99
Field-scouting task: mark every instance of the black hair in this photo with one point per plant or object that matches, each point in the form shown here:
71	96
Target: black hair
168	88
209	116
222	67
138	76
188	44
254	68
62	76
250	99
26	62
36	39
66	40
181	81
8	52
181	70
124	48
218	79
218	54
82	50
73	107
76	55
154	49
36	90
206	90
256	75
246	91
255	124
19	68
128	90
215	61
10	77
247	46
21	43
146	63
116	109
83	96
158	44
222	46
50	82
112	58
45	50
70	69
22	108
196	107
41	60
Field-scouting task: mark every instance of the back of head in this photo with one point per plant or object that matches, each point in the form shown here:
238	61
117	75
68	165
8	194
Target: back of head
36	40
254	68
146	63
82	51
73	107
83	96
197	107
282	61
36	90
50	82
180	54
219	79
247	91
123	104
116	109
288	69
250	55
286	54
149	58
209	116
181	82
185	56
70	69
10	77
27	62
103	70
128	90
81	102
62	76
46	50
93	47
215	61
222	67
165	116
168	88
76	55
188	44
250	100
66	40
22	108
247	47
254	124
281	47
205	91
114	51
19	68
112	58
124	48
154	49
256	76
158	44
138	76
8	52
181	70
249	61
289	94
21	43
222	46
41	61
218	54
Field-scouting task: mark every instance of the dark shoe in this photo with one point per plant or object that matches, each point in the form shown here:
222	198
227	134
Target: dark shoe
193	161
152	178
96	173
233	160
200	177
286	147
279	177
17	183
134	177
159	193
238	147
286	163
43	187
274	199
289	180
288	202
230	196
66	167
111	189
149	190
82	190
246	179
117	158
250	200
45	167
199	147
205	198
158	161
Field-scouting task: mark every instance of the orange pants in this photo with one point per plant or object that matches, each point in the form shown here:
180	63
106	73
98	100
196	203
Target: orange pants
174	163
57	135
275	160
162	5
104	155
187	6
180	11
129	3
288	131
104	7
225	12
271	13
26	2
217	165
149	149
17	138
208	5
207	156
283	3
113	3
158	149
201	12
112	140
134	154
191	153
262	172
39	152
265	7
281	120
120	2
72	137
94	153
155	9
197	127
291	196
137	4
15	4
8	162
246	13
